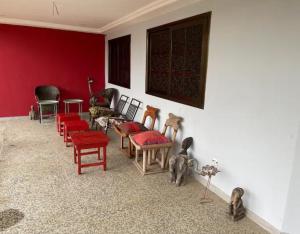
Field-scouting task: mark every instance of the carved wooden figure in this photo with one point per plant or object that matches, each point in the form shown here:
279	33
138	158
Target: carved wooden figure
179	164
236	207
32	113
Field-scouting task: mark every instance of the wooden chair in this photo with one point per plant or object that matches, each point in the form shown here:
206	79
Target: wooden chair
150	112
98	111
155	154
105	122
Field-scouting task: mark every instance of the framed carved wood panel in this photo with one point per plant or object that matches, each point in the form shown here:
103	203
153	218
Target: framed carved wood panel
177	60
119	61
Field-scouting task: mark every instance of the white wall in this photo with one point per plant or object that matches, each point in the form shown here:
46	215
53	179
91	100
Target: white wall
251	110
291	220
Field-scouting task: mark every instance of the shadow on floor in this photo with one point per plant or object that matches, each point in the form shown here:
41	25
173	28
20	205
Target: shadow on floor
9	218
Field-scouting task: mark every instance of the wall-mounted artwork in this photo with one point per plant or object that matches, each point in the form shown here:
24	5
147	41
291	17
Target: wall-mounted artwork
177	60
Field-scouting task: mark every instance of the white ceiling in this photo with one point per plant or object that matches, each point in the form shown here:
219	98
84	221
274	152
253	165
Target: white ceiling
80	15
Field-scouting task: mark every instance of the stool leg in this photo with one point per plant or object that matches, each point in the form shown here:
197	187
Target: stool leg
79	161
75	159
99	153
65	134
104	158
61	129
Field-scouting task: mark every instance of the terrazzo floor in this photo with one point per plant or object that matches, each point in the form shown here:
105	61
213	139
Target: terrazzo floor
40	192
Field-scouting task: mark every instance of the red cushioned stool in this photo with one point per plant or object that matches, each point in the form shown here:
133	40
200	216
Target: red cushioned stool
62	117
92	141
74	126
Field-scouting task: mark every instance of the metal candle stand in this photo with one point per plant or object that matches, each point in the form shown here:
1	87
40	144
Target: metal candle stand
209	171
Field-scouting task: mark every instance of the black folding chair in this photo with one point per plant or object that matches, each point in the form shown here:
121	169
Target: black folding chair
128	116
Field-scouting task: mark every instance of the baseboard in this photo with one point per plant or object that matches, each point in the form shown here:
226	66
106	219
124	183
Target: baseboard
84	115
13	117
250	214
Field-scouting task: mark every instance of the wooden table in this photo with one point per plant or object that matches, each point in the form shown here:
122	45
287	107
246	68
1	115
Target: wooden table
90	142
73	101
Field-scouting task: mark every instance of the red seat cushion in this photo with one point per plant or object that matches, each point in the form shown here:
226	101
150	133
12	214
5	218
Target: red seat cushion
150	138
130	127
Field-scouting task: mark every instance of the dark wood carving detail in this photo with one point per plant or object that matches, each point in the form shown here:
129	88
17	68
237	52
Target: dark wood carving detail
177	60
159	64
119	61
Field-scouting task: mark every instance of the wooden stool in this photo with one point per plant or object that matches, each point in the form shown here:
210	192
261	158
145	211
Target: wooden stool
74	126
87	141
62	117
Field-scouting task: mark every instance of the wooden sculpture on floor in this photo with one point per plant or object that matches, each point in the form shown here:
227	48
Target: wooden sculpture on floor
32	113
236	207
179	164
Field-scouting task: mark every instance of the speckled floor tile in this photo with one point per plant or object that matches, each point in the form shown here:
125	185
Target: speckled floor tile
40	192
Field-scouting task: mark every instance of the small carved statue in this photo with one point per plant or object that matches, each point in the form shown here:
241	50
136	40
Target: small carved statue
236	207
32	113
179	164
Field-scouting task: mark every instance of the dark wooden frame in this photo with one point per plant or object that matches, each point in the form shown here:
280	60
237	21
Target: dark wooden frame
204	20
114	76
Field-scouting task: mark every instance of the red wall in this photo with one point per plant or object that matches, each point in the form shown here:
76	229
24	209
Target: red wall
34	56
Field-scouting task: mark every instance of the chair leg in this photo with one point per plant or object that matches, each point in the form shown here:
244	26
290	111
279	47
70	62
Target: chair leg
136	155
144	160
122	142
106	127
149	156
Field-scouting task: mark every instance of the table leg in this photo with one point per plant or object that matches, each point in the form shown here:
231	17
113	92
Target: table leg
104	158
80	107
54	109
